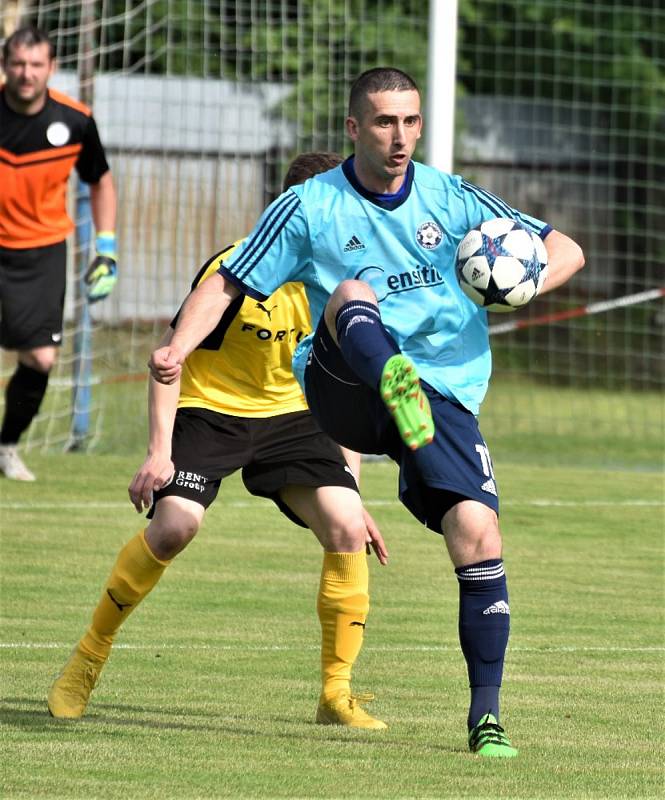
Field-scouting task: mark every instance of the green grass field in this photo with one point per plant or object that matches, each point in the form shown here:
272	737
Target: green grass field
212	688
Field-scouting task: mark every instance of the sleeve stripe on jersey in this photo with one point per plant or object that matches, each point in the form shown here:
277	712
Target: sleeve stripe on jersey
265	235
213	264
490	200
497	205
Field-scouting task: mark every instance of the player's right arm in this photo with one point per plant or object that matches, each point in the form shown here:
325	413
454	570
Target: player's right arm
157	469
269	257
198	317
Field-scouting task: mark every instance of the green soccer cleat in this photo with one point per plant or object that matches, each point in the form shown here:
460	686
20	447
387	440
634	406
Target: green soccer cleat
406	401
69	695
489	739
344	709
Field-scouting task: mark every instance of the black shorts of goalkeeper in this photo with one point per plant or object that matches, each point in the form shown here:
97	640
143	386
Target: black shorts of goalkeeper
32	296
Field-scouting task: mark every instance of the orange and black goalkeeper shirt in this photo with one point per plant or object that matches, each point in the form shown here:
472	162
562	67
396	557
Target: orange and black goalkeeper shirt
37	154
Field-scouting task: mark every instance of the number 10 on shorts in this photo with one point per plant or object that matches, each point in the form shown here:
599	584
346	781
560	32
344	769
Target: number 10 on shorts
485	460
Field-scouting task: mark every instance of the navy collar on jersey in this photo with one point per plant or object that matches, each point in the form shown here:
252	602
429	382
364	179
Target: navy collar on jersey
387	201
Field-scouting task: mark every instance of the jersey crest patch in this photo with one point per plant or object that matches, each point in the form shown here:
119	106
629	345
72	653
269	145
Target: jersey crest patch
57	134
429	235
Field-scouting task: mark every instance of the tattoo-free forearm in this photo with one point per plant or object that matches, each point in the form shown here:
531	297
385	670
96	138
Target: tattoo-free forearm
201	312
103	203
162	405
565	258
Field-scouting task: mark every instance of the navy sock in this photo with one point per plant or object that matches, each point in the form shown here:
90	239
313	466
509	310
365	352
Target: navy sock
365	344
484	626
23	395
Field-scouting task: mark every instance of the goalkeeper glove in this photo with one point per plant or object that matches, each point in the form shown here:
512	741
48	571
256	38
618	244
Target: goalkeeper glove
102	273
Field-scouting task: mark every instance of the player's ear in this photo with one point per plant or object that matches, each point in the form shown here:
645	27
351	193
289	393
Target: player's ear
352	128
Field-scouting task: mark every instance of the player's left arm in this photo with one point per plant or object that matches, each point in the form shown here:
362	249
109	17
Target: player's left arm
93	168
374	539
564	258
102	273
104	203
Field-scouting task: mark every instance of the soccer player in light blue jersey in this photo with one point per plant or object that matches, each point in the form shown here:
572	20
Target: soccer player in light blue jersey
400	361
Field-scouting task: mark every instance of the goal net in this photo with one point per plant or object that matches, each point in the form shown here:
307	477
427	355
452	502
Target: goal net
202	103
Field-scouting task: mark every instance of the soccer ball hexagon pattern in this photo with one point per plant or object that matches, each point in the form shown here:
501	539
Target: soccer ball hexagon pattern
501	265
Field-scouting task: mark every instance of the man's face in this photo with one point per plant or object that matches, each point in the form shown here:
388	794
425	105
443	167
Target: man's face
27	72
385	136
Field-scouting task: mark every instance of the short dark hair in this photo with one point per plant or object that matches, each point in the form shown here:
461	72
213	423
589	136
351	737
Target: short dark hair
306	165
378	79
29	36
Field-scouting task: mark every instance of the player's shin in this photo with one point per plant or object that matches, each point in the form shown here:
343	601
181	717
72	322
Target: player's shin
342	605
484	626
134	574
23	398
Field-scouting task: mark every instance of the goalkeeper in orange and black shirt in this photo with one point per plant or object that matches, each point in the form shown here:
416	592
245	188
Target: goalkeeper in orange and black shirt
43	135
238	406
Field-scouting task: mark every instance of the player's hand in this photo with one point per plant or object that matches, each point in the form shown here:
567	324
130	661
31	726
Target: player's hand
155	473
166	364
101	277
374	540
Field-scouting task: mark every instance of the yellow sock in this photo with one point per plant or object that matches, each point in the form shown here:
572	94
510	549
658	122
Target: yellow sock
134	574
342	605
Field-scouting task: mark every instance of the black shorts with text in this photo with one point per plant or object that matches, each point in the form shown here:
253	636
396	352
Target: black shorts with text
272	452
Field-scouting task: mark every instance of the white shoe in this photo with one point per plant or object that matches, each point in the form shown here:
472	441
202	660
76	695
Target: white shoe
12	466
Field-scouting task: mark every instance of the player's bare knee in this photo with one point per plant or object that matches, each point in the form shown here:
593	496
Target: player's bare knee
346	292
345	535
41	360
482	546
168	537
472	534
350	290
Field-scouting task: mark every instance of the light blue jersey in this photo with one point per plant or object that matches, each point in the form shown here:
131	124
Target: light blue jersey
330	229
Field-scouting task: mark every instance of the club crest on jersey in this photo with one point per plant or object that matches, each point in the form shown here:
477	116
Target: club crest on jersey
429	235
57	134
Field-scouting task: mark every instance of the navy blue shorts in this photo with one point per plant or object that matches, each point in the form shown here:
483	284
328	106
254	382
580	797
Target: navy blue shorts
455	466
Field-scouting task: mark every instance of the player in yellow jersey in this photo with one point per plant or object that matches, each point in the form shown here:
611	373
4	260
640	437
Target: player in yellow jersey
238	406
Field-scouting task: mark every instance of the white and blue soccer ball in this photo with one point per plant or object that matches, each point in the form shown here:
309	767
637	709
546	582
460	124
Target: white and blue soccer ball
501	265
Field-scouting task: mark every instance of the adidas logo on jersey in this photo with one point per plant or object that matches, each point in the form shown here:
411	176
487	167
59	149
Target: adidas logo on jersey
489	486
354	243
500	607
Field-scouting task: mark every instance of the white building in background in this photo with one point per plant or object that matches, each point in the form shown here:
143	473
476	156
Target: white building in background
190	158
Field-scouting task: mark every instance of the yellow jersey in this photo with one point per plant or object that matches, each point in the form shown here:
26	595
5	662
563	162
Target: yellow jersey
243	368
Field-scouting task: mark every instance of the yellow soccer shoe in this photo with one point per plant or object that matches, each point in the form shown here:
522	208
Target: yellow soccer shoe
70	692
344	709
